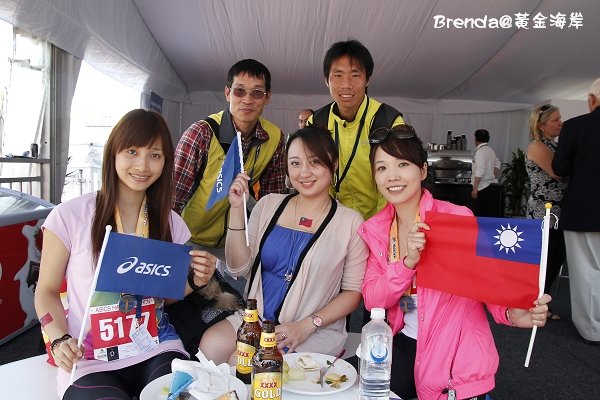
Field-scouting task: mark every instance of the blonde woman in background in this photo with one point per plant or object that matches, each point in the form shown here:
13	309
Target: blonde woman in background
545	124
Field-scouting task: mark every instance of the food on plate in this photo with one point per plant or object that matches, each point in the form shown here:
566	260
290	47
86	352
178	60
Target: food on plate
285	378
307	363
296	374
335	380
286	366
228	396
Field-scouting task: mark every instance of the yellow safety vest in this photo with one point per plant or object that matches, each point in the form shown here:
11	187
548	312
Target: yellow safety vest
357	190
209	227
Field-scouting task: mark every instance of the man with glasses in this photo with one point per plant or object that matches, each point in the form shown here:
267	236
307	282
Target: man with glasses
350	118
577	158
202	147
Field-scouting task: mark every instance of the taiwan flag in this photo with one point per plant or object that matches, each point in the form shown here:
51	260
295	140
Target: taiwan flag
493	260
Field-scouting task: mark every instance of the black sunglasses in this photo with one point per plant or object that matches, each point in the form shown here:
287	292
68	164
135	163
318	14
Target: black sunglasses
399	132
543	109
256	94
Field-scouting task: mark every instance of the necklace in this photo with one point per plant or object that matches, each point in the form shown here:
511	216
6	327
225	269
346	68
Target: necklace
141	229
298	241
308	222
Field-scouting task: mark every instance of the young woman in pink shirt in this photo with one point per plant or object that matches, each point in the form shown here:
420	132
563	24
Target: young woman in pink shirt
135	198
443	345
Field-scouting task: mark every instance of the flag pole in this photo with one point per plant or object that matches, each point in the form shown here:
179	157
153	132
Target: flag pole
542	276
239	143
86	314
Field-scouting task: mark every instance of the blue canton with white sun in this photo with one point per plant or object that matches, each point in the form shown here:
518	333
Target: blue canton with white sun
518	240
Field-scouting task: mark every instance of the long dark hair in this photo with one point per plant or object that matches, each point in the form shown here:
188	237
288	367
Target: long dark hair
139	128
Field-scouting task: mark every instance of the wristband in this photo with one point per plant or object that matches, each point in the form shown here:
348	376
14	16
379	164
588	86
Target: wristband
56	342
235	229
190	279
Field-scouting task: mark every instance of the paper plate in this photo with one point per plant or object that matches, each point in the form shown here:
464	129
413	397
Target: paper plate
154	390
308	385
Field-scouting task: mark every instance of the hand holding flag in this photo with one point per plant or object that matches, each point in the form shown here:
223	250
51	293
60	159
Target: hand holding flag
124	266
493	260
232	165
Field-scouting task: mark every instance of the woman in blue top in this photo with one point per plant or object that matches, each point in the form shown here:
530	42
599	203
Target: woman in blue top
305	263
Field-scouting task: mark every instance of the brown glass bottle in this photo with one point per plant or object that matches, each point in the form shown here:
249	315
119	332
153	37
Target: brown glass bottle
267	366
248	339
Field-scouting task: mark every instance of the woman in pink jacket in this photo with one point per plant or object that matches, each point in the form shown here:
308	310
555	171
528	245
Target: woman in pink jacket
443	347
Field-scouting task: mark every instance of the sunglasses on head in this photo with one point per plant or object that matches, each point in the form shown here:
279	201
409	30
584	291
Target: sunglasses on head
542	110
256	94
399	132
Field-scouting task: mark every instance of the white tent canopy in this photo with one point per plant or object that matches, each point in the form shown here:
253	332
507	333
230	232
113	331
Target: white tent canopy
440	78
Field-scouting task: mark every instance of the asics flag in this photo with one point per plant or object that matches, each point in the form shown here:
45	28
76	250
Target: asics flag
145	267
231	167
493	260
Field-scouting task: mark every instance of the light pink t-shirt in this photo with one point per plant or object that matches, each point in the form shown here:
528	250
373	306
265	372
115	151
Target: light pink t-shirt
71	222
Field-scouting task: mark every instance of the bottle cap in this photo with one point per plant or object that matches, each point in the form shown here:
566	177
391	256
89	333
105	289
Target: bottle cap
251	303
378	313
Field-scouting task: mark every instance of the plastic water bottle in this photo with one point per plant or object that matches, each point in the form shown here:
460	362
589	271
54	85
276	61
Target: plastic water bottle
375	358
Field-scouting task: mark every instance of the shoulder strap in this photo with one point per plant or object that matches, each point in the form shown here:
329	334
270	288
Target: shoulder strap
302	255
384	117
321	116
310	243
264	237
214	127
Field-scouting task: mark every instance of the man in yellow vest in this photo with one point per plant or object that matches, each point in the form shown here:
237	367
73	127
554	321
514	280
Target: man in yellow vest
350	118
202	148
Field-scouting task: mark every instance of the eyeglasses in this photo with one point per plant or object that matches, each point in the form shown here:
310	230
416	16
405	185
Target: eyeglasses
256	94
399	132
542	110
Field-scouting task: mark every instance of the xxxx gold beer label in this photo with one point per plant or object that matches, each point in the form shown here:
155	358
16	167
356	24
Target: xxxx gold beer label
245	352
250	315
268	339
267	385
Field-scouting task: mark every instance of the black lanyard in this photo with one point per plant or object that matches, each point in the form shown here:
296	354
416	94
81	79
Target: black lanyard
307	247
337	143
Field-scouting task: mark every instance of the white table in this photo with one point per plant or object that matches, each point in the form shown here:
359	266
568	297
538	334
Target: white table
34	378
31	378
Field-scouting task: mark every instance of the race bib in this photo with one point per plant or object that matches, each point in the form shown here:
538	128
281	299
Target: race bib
114	333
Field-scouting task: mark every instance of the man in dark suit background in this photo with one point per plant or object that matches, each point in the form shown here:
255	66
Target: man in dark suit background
577	158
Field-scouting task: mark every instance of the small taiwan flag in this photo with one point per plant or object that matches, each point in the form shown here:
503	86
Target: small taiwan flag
307	222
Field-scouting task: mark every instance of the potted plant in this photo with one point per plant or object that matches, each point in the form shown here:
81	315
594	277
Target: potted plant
515	183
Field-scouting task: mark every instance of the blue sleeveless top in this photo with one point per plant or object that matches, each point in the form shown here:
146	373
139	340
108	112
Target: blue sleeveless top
279	257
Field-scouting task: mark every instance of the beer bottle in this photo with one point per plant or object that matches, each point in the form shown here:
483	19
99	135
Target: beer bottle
267	366
248	339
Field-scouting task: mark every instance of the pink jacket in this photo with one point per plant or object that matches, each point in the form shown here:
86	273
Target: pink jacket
454	343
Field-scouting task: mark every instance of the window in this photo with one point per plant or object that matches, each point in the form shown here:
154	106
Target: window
99	102
24	68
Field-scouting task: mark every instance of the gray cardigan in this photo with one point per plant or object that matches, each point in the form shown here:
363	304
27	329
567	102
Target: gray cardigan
335	262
